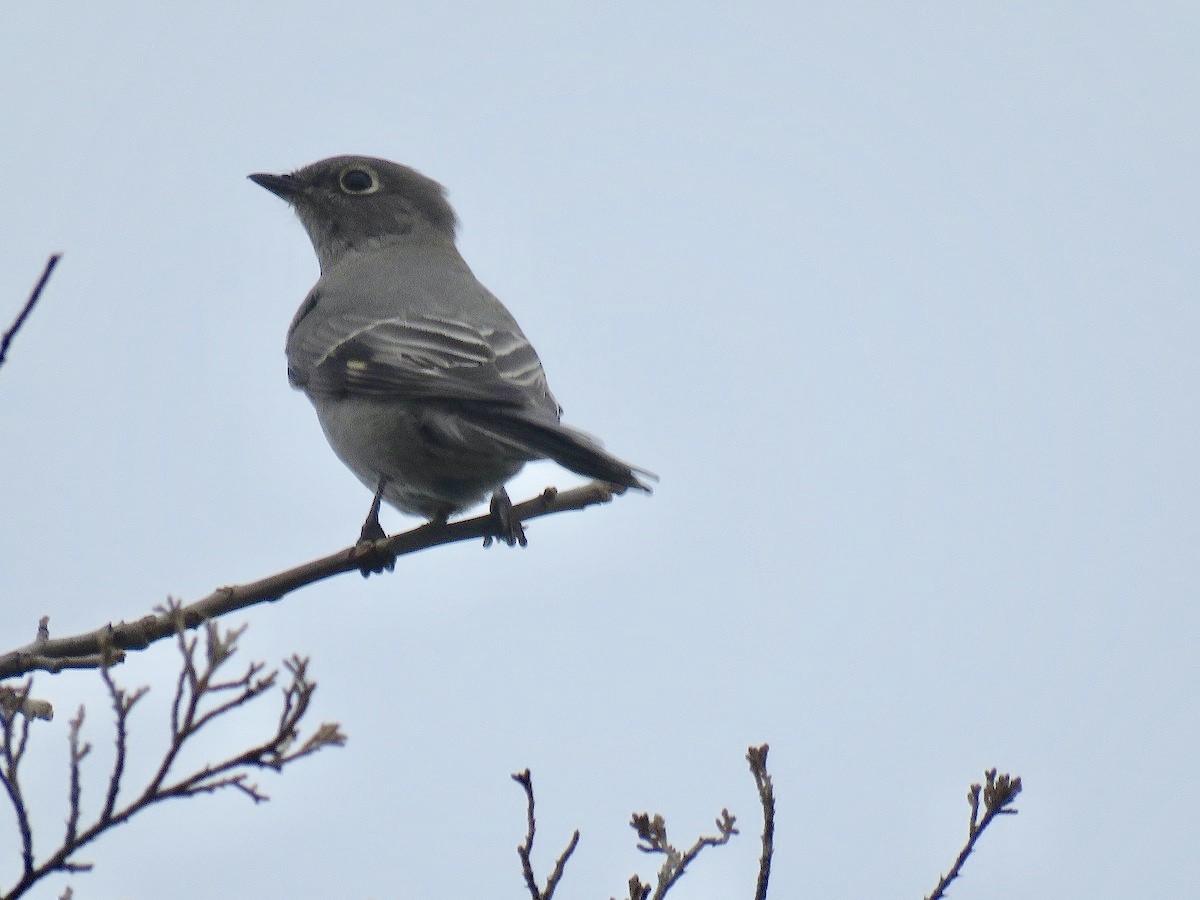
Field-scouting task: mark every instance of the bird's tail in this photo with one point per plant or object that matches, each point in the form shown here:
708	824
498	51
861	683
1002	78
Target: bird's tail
574	450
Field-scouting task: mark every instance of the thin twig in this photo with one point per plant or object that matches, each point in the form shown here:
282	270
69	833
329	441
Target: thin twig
15	740
757	757
999	792
78	751
525	850
85	650
34	296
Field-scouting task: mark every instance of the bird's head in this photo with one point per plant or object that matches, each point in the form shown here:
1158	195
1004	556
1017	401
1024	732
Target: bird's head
357	202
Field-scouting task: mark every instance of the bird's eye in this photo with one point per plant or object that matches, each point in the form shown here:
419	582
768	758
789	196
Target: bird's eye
359	181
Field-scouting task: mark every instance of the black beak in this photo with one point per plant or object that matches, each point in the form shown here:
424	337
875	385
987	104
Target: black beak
285	186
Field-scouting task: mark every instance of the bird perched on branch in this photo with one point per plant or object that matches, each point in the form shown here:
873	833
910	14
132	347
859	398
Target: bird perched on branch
422	380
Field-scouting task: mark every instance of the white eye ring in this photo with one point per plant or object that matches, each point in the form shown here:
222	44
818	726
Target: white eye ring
358	180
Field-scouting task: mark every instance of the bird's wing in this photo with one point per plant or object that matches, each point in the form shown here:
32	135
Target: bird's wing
415	357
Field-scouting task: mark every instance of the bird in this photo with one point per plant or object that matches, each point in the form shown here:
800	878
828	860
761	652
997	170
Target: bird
422	380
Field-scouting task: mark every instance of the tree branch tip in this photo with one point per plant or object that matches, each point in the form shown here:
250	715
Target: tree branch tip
328	734
757	757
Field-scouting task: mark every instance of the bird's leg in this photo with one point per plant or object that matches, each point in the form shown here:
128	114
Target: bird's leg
505	525
373	562
372	530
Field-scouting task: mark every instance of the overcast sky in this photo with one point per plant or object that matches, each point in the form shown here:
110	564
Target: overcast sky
898	299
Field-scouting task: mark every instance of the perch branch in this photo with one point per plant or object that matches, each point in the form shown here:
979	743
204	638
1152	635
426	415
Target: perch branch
88	650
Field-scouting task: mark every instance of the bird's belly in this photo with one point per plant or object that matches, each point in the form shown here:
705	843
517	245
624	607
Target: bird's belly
434	463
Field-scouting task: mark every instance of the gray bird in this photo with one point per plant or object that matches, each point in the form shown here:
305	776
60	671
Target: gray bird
422	380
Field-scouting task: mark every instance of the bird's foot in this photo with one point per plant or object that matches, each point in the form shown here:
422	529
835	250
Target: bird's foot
373	561
505	525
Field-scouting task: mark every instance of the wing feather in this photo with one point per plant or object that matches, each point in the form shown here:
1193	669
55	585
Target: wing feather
422	357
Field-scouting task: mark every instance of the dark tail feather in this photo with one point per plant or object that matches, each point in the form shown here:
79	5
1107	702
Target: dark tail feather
571	449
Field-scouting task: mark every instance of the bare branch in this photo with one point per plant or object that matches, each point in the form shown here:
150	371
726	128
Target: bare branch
653	835
652	838
12	750
526	849
78	750
34	663
34	296
757	757
122	704
999	792
87	649
200	698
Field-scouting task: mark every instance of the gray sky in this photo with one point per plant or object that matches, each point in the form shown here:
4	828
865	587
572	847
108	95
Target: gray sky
900	304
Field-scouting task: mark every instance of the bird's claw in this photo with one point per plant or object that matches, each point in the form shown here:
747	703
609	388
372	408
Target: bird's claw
505	526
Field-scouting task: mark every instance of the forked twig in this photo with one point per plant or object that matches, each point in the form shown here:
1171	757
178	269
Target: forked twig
525	850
